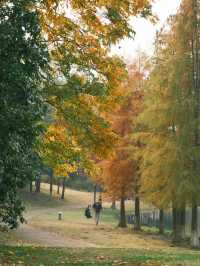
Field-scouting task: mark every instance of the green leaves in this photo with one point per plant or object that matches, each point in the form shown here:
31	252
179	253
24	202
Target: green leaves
23	57
113	15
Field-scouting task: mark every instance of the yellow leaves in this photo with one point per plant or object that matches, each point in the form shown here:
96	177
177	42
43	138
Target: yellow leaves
52	138
58	149
54	12
80	43
64	169
55	132
93	50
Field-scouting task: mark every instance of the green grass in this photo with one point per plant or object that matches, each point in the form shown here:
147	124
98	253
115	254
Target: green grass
59	256
112	246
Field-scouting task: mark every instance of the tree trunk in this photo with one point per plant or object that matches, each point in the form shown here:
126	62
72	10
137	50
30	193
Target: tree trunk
174	219
31	186
122	221
95	193
161	221
194	230
58	187
113	206
154	219
183	221
63	189
137	225
196	93
51	182
37	184
176	225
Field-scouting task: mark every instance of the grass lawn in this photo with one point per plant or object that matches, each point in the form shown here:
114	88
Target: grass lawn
59	256
83	243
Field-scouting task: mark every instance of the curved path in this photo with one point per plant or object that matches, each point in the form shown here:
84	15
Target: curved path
40	237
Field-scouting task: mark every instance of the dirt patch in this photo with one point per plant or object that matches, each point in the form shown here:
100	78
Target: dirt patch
39	237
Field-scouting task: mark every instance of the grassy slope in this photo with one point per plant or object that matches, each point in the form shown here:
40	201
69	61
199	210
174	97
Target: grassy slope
131	248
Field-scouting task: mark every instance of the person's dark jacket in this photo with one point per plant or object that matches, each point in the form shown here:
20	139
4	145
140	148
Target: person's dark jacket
88	213
97	206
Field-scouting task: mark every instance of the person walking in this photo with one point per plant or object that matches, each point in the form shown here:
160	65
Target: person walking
97	206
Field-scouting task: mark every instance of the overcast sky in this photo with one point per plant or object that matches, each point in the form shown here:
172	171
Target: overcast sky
145	31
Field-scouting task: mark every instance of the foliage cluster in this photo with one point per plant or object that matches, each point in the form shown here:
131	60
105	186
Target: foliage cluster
55	55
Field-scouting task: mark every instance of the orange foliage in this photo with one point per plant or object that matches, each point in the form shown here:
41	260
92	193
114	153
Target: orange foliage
120	173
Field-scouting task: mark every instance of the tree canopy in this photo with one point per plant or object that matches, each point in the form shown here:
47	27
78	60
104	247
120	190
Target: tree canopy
23	58
55	58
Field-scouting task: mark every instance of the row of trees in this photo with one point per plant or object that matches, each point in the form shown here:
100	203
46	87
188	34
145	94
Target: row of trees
57	82
57	184
66	102
157	156
170	167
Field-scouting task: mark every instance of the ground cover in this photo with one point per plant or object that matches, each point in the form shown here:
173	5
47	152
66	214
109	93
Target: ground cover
45	240
59	256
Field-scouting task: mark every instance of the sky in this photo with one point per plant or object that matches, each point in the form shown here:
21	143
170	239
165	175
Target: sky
146	31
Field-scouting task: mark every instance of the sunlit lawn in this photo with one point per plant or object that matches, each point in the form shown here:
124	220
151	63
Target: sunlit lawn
114	246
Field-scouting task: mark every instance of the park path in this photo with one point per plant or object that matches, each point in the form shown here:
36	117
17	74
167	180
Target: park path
44	229
30	234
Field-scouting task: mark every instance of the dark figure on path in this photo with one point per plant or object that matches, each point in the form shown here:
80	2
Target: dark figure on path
88	212
97	206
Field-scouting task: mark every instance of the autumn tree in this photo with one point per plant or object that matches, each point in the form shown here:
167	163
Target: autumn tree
118	172
137	77
170	118
121	175
78	36
59	152
86	80
163	158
